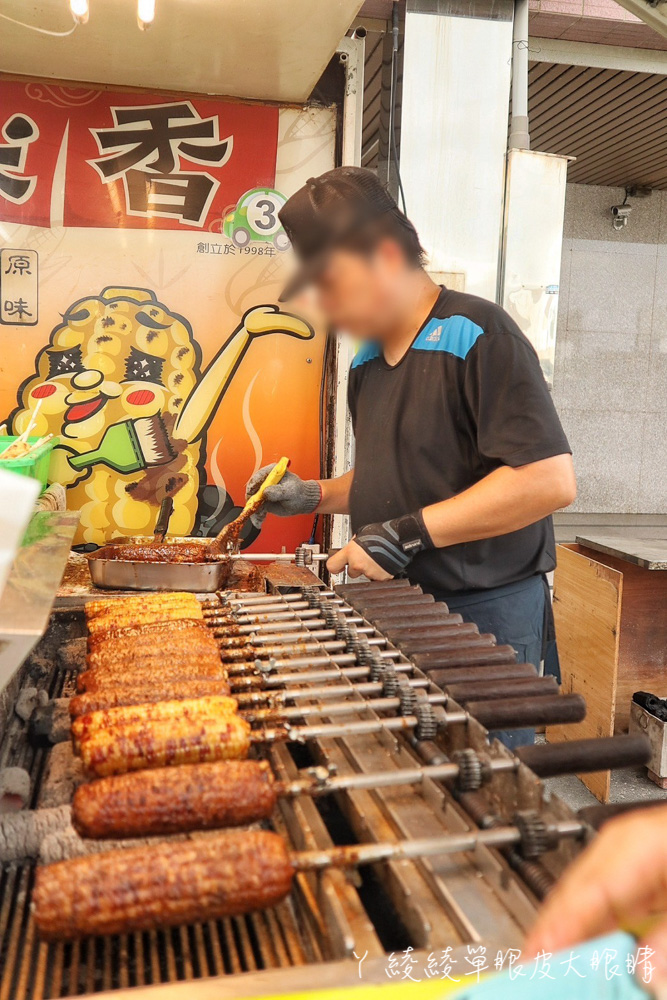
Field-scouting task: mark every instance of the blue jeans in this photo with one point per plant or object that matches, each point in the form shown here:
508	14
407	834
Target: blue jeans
515	614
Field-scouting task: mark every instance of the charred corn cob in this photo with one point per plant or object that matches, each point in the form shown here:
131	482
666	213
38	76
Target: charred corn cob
150	691
190	797
157	744
150	632
191	669
109	645
140	616
172	883
127	652
124	605
211	707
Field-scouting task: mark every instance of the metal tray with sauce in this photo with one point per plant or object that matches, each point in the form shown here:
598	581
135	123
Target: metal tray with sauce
126	574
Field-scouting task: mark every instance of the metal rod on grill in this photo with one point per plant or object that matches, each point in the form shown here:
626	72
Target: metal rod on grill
335	648
269	604
310	677
285	626
326	784
277	612
234	793
304	662
227	599
207	733
515	713
337	708
422	847
471	690
283	695
179	883
325	634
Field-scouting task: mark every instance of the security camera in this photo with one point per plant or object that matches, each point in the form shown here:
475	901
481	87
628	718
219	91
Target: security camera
620	215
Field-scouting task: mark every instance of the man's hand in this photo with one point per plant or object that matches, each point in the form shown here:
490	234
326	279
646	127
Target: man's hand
619	880
358	563
290	496
380	551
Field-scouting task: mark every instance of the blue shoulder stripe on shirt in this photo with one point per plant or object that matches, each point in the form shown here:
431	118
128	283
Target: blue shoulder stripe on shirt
454	335
367	352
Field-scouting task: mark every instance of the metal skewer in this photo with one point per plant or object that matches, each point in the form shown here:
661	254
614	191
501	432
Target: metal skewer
326	691
428	720
231	629
351	706
403	850
306	677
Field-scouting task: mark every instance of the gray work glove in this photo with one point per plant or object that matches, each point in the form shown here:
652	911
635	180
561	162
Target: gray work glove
393	544
288	497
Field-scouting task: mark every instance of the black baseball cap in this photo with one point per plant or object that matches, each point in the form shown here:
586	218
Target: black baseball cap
325	212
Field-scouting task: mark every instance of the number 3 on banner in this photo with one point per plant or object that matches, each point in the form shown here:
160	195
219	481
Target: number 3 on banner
263	213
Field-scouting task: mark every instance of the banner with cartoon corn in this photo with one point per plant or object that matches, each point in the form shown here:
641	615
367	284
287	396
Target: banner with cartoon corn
140	323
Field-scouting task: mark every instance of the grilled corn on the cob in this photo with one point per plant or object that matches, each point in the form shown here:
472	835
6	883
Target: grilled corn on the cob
211	707
172	883
148	744
140	616
149	691
127	651
191	669
150	632
178	799
124	605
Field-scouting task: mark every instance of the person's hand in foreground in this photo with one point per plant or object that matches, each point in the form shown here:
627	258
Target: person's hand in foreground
619	881
383	550
291	496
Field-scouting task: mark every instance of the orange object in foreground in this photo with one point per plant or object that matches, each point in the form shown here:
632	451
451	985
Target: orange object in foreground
172	883
175	800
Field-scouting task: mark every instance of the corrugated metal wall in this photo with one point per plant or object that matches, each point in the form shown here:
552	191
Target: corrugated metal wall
613	121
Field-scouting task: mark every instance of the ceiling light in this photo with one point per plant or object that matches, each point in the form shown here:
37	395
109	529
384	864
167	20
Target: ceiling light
79	10
145	13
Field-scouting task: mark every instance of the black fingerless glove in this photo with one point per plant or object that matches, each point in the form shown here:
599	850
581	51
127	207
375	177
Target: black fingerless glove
392	544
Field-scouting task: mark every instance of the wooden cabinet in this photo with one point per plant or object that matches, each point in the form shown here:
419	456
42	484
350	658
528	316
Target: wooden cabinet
611	626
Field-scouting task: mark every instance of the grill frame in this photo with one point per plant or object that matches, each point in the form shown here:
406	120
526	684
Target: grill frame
324	918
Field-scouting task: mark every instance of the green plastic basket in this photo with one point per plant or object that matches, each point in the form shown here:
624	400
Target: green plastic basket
36	464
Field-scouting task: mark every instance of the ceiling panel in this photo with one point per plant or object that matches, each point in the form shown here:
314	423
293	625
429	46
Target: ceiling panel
613	121
265	49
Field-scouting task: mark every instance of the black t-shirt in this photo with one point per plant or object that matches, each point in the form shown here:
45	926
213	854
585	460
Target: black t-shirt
467	397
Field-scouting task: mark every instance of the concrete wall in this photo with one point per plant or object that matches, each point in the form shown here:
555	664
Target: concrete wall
610	378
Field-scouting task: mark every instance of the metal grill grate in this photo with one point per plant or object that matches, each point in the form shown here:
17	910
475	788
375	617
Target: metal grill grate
34	970
325	917
31	969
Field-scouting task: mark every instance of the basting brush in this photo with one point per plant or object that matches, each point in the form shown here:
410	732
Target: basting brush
227	541
130	446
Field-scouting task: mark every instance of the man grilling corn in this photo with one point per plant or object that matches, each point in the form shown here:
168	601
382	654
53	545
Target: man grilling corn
460	456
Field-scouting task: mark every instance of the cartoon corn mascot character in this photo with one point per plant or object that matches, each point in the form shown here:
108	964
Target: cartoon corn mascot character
120	383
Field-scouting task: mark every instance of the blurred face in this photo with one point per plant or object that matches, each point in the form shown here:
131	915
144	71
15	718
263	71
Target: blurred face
364	294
